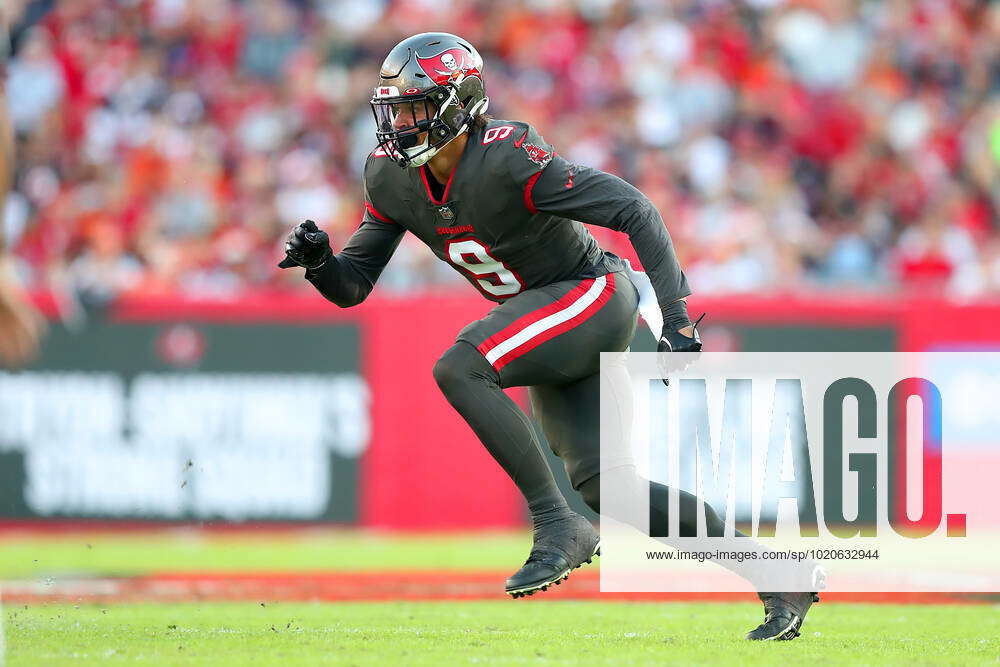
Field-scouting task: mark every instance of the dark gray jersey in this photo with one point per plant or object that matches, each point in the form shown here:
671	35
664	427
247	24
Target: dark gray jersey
507	220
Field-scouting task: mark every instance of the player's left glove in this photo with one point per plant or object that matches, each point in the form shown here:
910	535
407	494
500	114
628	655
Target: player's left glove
307	245
675	341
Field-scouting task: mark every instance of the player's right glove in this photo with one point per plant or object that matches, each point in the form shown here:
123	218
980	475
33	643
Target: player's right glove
307	245
675	341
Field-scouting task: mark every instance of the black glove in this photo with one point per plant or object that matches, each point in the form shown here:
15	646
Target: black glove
674	341
307	245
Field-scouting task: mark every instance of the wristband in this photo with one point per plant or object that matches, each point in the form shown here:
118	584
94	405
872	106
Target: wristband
675	316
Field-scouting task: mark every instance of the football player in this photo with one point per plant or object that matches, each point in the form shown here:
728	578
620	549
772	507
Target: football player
493	199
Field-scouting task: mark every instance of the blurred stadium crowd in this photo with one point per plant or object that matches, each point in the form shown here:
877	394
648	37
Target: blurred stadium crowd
168	145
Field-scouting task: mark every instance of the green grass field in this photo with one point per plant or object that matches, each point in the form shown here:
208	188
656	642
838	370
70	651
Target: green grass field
498	633
548	630
191	550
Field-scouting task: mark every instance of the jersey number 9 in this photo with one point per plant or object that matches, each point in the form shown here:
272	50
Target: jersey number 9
493	277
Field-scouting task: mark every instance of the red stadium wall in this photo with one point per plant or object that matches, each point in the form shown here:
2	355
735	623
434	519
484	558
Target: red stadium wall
423	468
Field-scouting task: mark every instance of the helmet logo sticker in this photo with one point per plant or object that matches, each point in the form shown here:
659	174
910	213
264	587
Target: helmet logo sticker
450	65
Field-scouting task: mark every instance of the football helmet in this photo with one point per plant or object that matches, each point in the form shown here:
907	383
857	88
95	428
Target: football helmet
430	90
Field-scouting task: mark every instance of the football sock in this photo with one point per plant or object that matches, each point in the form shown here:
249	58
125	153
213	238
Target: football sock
631	490
659	500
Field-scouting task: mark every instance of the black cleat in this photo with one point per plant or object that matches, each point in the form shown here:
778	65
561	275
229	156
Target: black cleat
561	546
783	615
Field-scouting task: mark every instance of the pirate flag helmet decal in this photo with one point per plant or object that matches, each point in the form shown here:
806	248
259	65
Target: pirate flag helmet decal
451	65
430	90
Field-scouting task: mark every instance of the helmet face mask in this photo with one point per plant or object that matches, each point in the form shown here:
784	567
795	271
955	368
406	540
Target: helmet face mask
410	128
430	91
